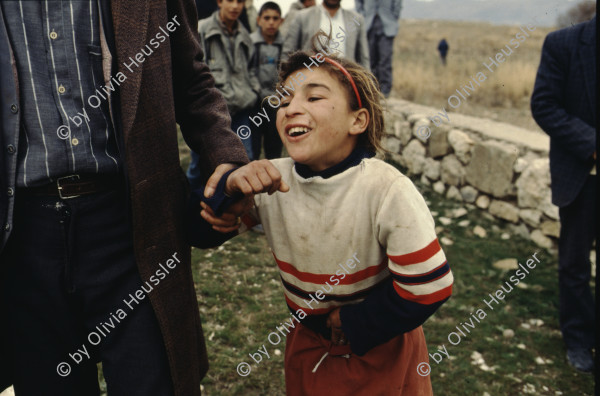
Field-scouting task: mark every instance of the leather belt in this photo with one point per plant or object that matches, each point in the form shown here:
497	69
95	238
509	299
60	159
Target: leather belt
73	186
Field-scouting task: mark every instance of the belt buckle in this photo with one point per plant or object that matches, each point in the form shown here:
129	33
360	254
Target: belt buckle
60	187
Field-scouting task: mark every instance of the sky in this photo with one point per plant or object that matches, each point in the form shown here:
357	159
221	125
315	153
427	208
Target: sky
506	12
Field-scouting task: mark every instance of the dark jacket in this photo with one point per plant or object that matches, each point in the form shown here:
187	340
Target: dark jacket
171	86
564	105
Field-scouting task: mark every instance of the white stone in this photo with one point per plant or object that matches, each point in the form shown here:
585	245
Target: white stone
404	133
462	145
550	228
437	144
445	221
431	169
534	184
414	157
425	180
536	322
446	241
504	210
541	240
520	230
422	129
539	360
452	171
439	187
482	202
477	357
508	333
491	168
520	165
453	193
479	231
548	208
506	264
400	131
469	194
459	212
464	223
391	144
505	236
530	217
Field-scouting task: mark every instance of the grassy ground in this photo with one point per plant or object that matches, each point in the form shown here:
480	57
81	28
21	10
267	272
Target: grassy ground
241	302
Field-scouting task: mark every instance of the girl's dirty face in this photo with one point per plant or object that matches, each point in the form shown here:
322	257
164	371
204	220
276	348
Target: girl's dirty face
315	121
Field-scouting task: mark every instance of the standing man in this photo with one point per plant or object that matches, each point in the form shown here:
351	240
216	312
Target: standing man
94	266
347	29
565	107
381	19
228	48
294	8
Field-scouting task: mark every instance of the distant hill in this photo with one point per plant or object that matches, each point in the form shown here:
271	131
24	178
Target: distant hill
508	12
505	12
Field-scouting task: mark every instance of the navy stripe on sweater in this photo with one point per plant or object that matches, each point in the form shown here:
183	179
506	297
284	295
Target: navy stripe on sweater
331	297
421	279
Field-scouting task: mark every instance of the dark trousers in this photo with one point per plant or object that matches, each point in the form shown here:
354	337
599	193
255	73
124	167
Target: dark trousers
381	48
267	131
577	233
65	273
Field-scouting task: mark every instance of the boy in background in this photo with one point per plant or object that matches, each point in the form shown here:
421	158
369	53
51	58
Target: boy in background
227	50
268	43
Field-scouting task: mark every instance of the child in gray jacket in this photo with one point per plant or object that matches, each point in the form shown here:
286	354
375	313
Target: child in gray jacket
268	43
227	50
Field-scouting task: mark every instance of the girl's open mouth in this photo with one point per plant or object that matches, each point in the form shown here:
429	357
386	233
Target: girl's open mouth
298	131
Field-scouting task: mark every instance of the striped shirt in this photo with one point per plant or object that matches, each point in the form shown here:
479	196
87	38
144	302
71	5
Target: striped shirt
56	45
360	238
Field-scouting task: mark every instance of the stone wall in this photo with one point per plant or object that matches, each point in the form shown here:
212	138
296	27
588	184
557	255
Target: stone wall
498	167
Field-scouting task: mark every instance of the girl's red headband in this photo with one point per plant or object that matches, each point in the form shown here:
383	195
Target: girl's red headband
345	72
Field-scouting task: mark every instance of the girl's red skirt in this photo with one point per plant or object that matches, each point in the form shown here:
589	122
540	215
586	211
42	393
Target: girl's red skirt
315	367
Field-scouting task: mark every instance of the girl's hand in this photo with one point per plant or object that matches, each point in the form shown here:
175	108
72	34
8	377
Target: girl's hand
255	178
335	323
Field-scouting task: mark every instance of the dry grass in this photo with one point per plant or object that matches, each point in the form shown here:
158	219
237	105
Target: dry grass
420	77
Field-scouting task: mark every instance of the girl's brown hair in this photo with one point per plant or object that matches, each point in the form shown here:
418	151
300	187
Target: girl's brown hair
368	89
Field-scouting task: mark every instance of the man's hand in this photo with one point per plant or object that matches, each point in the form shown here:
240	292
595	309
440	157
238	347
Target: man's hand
213	181
255	178
230	220
335	323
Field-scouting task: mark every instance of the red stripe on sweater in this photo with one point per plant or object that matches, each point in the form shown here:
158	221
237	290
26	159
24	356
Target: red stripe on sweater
426	299
419	256
348	279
